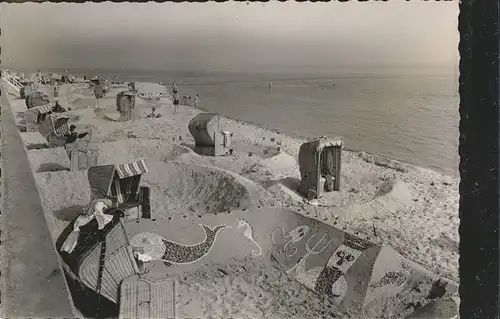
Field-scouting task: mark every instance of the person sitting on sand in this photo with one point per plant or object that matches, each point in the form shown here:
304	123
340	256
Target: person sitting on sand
152	114
58	108
184	100
196	100
72	136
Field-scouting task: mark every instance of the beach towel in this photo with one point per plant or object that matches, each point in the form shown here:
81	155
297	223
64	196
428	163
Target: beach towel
95	209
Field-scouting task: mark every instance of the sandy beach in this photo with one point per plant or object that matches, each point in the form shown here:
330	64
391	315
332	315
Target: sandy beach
410	209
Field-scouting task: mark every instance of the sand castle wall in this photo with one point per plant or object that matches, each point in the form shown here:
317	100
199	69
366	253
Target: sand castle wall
34	282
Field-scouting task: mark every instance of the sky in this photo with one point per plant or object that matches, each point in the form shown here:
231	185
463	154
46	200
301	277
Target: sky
229	36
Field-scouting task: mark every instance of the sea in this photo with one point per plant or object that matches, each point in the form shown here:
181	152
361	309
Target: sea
409	117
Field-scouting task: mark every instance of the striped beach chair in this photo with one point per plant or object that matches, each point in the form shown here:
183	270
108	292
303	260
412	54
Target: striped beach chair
60	125
35	116
54	128
120	183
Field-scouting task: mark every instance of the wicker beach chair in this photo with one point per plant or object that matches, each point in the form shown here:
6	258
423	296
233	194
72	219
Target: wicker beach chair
99	91
121	184
81	154
36	99
320	164
209	139
143	299
35	116
54	128
101	260
125	104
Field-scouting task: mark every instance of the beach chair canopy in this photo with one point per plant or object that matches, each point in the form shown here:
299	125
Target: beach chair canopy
59	124
38	114
55	124
120	183
203	128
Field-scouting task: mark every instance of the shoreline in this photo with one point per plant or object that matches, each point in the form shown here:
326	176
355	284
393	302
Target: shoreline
302	139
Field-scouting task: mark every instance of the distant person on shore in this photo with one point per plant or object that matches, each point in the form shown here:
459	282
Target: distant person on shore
176	102
184	100
196	100
56	90
174	87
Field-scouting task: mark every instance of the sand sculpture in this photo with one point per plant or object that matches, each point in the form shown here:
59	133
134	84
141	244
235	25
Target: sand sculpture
320	166
209	139
171	252
353	272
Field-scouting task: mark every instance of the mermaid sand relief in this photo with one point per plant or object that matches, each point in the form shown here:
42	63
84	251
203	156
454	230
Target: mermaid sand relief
308	277
248	233
299	270
171	252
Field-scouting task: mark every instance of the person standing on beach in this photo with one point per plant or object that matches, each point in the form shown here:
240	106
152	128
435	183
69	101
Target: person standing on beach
196	100
176	102
174	87
56	90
